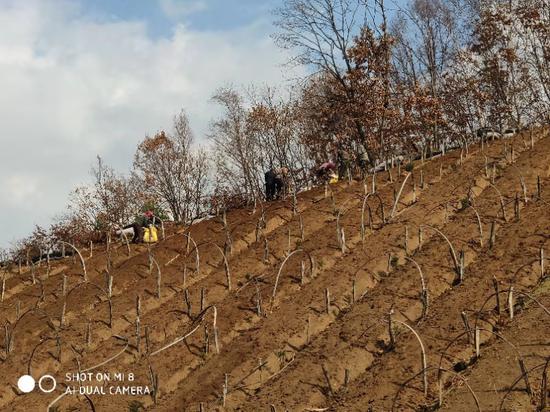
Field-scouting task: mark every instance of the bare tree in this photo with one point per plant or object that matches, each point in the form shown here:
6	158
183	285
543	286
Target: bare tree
274	123
170	170
237	154
428	37
503	69
534	18
116	196
323	31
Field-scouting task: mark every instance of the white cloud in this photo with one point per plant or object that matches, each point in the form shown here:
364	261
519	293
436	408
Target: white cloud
176	9
20	188
73	88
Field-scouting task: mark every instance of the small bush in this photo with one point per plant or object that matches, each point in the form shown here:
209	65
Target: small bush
465	203
409	167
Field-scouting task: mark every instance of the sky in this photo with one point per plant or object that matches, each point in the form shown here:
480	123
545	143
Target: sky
81	78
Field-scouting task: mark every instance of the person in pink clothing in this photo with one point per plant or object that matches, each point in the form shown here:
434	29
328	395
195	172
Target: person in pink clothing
326	171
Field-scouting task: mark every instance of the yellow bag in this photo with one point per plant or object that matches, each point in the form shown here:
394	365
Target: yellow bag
150	234
333	179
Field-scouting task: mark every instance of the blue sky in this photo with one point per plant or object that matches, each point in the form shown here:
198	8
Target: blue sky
81	78
198	15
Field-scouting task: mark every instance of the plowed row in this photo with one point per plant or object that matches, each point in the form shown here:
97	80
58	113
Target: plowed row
280	345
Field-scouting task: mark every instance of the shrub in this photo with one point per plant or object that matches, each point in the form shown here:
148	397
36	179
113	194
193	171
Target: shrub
464	203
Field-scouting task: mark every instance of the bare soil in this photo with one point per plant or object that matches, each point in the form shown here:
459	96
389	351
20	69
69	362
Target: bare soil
304	326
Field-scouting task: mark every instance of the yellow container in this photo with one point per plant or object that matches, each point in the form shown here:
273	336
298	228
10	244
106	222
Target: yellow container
150	234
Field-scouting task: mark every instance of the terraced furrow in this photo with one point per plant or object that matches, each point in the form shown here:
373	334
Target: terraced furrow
188	376
172	306
378	386
247	257
292	330
125	302
85	305
493	376
293	389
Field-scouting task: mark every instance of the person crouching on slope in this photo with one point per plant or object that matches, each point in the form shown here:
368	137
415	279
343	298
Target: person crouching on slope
147	220
275	183
326	173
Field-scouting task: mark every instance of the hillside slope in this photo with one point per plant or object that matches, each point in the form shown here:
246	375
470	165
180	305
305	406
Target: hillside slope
298	306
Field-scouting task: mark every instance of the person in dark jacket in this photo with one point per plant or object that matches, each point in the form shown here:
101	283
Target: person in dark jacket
270	185
144	221
275	183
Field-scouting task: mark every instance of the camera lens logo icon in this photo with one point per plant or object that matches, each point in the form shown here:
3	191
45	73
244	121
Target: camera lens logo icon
26	383
46	383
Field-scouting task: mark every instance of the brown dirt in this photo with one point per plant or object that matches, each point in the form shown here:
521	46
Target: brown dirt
294	337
